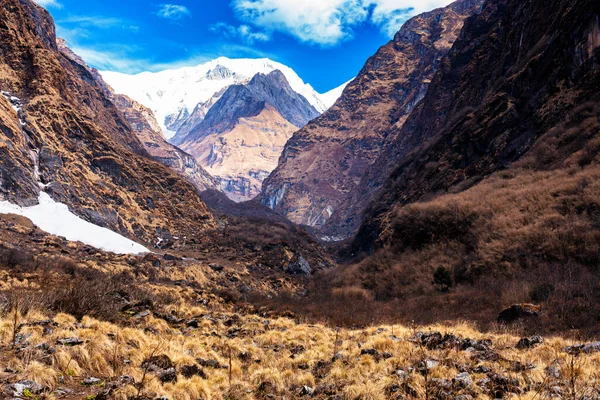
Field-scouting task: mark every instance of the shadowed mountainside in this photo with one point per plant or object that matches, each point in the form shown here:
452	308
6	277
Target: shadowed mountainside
322	165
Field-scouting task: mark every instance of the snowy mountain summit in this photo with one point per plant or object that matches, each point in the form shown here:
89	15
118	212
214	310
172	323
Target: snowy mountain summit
173	95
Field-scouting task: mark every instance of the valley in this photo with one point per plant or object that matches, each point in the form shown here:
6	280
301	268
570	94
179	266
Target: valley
427	230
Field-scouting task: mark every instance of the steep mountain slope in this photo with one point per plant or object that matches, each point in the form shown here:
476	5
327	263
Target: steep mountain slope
65	136
173	95
322	165
494	193
518	77
144	125
242	135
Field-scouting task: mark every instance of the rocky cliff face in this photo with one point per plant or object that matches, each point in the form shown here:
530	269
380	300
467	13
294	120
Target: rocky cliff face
148	131
523	78
64	135
242	135
324	163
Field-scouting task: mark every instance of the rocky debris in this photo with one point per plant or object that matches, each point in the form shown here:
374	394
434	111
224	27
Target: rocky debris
142	314
300	266
499	385
138	310
63	392
21	388
517	366
216	267
527	343
401	374
211	363
91	381
74	341
584	348
153	260
192	370
427	365
126	380
167	375
481	369
21	339
193	323
519	311
170	318
160	362
552	371
463	380
370	352
306	391
171	257
437	341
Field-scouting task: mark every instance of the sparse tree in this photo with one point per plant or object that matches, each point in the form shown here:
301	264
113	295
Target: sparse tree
442	278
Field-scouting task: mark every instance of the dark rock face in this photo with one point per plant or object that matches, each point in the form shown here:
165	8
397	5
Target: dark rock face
67	134
517	71
323	164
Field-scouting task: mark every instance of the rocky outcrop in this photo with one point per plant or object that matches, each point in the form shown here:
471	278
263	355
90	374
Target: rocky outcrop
240	138
324	163
65	136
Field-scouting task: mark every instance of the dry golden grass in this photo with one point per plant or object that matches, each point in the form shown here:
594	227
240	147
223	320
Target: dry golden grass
279	357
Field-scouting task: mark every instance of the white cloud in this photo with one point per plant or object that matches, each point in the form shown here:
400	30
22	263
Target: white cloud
244	32
173	11
328	22
86	21
49	3
391	14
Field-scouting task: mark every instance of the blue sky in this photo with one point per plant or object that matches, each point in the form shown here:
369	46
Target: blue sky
325	41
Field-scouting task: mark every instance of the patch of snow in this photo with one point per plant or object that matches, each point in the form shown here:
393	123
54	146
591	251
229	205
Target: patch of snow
168	93
333	238
56	219
333	95
15	102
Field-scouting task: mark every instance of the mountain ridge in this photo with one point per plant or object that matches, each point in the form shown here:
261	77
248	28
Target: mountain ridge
242	135
178	91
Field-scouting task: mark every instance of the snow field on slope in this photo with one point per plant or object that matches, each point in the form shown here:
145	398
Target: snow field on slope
56	219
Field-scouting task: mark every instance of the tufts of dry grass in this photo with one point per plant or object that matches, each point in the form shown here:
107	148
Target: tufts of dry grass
256	357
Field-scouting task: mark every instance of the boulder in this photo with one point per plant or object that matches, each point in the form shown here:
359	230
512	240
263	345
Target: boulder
518	311
168	375
25	386
299	266
189	371
527	343
306	391
91	381
463	380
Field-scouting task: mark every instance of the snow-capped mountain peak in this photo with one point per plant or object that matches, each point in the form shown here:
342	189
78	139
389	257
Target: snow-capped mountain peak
173	94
